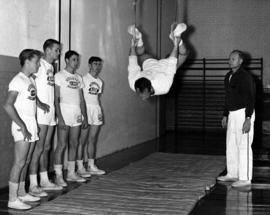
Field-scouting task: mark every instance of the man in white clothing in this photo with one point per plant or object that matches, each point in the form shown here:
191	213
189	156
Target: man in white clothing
44	79
71	114
88	140
156	76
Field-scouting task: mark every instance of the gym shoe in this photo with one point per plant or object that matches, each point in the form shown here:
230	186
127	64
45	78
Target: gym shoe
75	177
226	178
132	30
179	29
18	204
83	173
95	171
29	198
241	183
37	191
60	181
50	186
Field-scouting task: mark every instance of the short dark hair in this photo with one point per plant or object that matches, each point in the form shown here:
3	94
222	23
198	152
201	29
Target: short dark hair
93	59
28	54
49	43
142	84
241	54
69	53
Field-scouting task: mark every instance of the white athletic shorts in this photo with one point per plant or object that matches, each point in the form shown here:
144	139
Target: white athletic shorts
94	114
46	118
31	125
72	114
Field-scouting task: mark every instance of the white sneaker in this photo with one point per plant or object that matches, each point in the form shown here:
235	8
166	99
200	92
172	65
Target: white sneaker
180	28
95	171
241	183
177	30
75	177
18	204
37	191
60	181
226	178
83	173
47	185
29	198
132	30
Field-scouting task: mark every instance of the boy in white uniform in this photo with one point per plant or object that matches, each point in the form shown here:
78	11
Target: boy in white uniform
69	106
21	107
91	91
156	76
44	79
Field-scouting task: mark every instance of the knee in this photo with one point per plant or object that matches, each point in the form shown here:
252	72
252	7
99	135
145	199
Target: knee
60	147
38	150
74	142
92	139
28	160
47	147
19	164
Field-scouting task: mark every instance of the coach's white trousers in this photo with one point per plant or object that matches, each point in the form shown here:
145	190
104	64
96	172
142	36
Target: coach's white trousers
238	146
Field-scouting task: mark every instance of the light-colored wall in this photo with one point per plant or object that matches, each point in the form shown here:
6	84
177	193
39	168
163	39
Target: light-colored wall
219	26
216	27
26	24
100	28
23	24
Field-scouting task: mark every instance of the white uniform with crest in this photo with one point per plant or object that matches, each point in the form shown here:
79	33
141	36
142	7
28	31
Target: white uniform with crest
70	85
25	106
91	91
45	92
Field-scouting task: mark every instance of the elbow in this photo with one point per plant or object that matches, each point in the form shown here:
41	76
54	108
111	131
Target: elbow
6	107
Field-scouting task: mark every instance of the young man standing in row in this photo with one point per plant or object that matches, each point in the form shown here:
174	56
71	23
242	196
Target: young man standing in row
44	79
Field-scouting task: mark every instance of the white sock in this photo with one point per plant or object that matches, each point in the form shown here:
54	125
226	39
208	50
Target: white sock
91	162
58	168
33	180
71	167
44	176
13	190
80	164
21	190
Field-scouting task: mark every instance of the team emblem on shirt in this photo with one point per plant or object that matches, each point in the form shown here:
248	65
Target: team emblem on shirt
32	91
73	83
93	88
50	77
